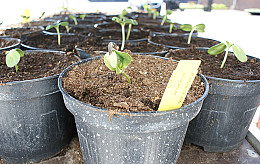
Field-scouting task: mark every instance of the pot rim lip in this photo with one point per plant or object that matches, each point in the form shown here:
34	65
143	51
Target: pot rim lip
206	87
37	79
14	45
218	78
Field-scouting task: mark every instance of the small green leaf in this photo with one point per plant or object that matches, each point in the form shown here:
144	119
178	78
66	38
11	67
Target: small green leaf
116	19
217	49
50	26
124	58
64	23
13	57
124	12
186	27
239	53
168	12
20	52
200	27
72	17
110	62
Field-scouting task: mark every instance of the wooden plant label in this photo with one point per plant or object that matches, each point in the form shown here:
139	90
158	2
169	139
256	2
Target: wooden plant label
179	84
26	14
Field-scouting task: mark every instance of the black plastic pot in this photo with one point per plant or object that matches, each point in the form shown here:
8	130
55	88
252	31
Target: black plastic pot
226	114
34	122
147	137
17	45
184	36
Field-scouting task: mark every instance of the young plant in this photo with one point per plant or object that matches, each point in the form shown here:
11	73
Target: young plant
82	16
221	47
57	26
13	58
171	26
123	14
148	9
168	12
26	19
130	22
191	29
117	61
42	15
155	14
122	22
74	19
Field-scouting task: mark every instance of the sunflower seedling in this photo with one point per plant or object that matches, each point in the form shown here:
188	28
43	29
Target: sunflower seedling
82	16
117	61
130	22
56	26
13	58
148	9
42	15
74	19
221	47
168	12
155	14
171	26
26	19
191	29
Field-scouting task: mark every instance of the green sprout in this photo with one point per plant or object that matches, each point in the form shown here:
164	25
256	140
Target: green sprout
171	26
155	14
117	61
168	12
13	58
191	29
148	9
27	19
82	16
130	22
221	47
56	26
42	15
123	14
74	19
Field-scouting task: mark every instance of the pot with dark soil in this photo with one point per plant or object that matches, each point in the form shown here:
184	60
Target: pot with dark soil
34	122
233	98
42	41
41	23
9	43
117	121
178	42
73	30
19	32
95	47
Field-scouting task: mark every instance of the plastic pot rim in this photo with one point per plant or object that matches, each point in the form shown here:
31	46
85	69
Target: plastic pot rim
126	113
7	38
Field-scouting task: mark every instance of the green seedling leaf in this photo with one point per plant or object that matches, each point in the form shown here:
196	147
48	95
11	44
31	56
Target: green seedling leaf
186	27
239	53
168	12
82	16
155	14
117	20
56	26
13	58
117	61
42	15
74	19
217	49
64	24
200	27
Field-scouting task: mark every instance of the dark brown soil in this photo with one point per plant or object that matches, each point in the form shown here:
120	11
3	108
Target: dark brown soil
181	41
210	65
117	35
5	43
164	30
95	84
35	65
85	22
51	41
76	30
39	23
135	47
18	32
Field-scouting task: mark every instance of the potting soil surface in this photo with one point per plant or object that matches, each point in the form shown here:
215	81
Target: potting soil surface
190	154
